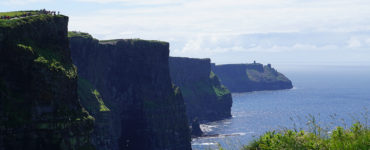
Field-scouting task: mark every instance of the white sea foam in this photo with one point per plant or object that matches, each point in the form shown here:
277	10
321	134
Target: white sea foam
239	134
227	122
205	143
207	128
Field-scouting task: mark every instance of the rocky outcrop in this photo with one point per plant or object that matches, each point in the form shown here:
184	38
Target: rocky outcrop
132	76
251	77
205	98
39	106
195	128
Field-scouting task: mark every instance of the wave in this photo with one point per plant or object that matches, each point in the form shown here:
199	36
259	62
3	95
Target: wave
204	144
207	128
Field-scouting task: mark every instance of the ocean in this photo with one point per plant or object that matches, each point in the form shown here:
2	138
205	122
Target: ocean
333	95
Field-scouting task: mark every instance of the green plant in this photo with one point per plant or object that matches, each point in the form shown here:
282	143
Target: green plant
52	60
90	97
357	138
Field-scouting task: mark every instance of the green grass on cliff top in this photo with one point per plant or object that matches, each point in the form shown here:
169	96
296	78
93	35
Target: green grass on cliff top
24	20
134	41
16	13
112	41
78	34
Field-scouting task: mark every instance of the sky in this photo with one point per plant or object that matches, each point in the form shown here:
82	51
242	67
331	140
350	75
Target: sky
281	32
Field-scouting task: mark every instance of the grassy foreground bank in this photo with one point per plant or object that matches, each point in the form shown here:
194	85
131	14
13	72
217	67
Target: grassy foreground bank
357	137
314	137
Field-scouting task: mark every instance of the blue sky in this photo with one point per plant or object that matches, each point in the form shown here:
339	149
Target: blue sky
281	32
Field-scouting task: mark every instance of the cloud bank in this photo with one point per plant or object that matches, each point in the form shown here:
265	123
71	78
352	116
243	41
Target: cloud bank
231	31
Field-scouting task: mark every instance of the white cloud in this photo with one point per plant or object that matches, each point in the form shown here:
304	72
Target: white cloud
218	45
133	2
354	43
210	28
367	41
232	17
21	2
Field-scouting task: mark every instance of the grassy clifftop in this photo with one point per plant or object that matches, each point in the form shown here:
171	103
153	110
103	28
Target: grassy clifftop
76	34
35	16
18	13
79	34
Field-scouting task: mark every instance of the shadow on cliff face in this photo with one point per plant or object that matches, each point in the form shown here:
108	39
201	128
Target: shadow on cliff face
133	79
38	86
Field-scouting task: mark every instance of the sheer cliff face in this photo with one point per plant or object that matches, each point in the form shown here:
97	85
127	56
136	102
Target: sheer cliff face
205	97
93	102
39	107
251	77
133	78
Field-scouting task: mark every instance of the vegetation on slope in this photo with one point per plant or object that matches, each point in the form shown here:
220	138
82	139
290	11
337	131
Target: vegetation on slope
218	88
209	87
90	97
355	138
52	59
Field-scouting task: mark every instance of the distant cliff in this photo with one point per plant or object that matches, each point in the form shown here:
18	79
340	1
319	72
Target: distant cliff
205	97
132	76
251	77
39	106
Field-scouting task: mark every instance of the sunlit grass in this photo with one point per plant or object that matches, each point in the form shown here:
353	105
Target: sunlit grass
356	137
17	13
315	136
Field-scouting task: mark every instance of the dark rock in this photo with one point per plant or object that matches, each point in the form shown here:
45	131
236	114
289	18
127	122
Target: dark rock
195	128
39	106
251	77
205	97
133	78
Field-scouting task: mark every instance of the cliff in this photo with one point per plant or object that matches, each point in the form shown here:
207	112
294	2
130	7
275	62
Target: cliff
132	76
205	97
93	102
251	77
39	106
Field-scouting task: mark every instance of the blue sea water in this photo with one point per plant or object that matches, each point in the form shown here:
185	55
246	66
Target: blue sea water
335	96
